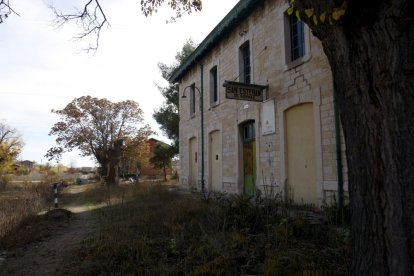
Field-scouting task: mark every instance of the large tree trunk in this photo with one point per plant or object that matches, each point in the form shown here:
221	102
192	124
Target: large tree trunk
113	164
103	161
165	172
372	59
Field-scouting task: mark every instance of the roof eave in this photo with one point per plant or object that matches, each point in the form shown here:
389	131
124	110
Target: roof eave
240	12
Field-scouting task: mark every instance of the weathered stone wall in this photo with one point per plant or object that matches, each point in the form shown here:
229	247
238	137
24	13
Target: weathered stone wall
289	84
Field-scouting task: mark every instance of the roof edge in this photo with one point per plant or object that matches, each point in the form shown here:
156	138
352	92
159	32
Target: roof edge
240	12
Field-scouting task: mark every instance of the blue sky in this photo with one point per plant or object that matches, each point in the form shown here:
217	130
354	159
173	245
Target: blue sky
43	68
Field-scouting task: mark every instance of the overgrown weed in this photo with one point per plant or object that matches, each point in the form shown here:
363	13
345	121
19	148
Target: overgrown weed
161	232
19	203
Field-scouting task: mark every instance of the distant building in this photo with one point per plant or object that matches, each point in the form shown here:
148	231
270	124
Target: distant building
266	121
87	170
147	169
26	165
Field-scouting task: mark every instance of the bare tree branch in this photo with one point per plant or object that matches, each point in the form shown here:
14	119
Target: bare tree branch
91	19
6	10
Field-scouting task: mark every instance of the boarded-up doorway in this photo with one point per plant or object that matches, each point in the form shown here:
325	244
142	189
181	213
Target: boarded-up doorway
193	163
249	158
215	161
300	154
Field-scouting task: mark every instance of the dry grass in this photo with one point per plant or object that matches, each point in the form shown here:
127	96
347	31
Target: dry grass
154	231
20	202
151	229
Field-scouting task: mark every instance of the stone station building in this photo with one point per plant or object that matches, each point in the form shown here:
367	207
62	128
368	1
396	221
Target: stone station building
258	109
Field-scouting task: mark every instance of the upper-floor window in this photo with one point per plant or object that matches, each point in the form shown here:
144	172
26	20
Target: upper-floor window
192	100
297	38
245	68
213	86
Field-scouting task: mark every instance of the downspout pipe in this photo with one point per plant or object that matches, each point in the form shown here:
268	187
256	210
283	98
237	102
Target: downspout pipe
338	151
202	125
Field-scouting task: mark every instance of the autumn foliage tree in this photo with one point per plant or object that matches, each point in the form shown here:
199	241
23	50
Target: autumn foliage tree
135	154
11	144
99	128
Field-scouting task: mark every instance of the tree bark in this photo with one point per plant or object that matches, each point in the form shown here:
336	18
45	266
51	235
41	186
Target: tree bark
103	161
165	172
113	164
372	59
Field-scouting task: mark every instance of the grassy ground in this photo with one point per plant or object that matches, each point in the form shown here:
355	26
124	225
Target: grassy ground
21	202
153	230
44	244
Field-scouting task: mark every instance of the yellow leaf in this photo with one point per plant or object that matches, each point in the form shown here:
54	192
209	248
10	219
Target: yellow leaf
289	11
315	20
309	12
291	2
298	14
338	13
322	17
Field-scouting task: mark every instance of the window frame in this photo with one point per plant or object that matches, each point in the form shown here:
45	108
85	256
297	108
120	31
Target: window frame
297	38
192	100
287	49
214	90
245	63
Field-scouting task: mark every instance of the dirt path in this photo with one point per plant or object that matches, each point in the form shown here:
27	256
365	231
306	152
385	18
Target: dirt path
55	252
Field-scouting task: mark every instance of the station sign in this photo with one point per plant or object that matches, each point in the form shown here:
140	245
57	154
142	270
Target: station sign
244	91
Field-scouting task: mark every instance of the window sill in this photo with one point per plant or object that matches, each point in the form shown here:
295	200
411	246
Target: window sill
214	105
297	62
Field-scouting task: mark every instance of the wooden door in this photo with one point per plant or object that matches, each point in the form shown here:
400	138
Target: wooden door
215	161
193	161
300	153
249	158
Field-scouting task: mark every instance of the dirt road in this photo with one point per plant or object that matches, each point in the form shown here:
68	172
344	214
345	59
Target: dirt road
54	252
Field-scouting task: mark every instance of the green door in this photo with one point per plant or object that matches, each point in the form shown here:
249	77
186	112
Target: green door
249	159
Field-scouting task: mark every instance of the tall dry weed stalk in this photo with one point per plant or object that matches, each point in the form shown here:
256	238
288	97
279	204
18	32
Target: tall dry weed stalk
161	232
20	202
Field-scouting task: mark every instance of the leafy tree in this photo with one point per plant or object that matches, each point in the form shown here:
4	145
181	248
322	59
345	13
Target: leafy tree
98	128
161	157
135	155
11	144
167	115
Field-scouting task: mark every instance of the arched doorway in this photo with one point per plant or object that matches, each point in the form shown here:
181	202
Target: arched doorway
193	163
301	154
248	134
215	161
